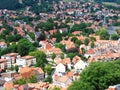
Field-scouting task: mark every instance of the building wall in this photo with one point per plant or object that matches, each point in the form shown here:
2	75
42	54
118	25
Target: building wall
60	68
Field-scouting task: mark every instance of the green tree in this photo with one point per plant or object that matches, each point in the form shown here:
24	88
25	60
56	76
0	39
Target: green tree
78	43
98	76
20	81
32	35
71	55
24	47
48	69
32	79
48	79
62	56
86	41
16	68
73	39
83	50
53	56
18	37
13	48
10	38
61	46
93	39
114	36
103	34
92	45
40	58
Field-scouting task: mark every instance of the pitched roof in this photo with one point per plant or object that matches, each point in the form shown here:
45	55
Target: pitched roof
27	57
26	72
8	85
2	43
39	70
76	59
57	60
11	54
91	51
63	79
66	61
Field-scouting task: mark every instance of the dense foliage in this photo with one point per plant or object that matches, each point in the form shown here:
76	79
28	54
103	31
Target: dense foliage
40	58
14	4
10	4
24	47
31	79
103	34
98	76
117	1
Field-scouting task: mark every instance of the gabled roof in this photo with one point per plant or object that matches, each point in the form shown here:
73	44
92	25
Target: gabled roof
63	79
8	85
91	51
27	57
2	43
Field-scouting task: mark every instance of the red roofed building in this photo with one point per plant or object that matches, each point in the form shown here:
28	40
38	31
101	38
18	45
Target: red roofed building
3	45
90	52
26	72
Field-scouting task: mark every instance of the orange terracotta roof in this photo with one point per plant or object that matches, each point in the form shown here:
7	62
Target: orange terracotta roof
57	60
76	59
26	72
91	51
8	85
70	74
39	70
11	54
63	79
27	57
66	61
2	43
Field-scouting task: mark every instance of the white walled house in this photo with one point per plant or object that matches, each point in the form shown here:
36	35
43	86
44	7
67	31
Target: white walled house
10	59
60	68
62	81
3	64
26	61
80	65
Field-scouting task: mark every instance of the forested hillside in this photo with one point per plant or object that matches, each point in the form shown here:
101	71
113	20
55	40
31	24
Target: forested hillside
10	4
117	1
14	4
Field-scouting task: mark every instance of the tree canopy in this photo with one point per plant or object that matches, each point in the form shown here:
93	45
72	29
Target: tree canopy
24	47
40	58
98	76
103	34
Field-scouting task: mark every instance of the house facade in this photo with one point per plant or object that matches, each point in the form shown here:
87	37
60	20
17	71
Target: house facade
10	58
26	61
60	68
3	64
